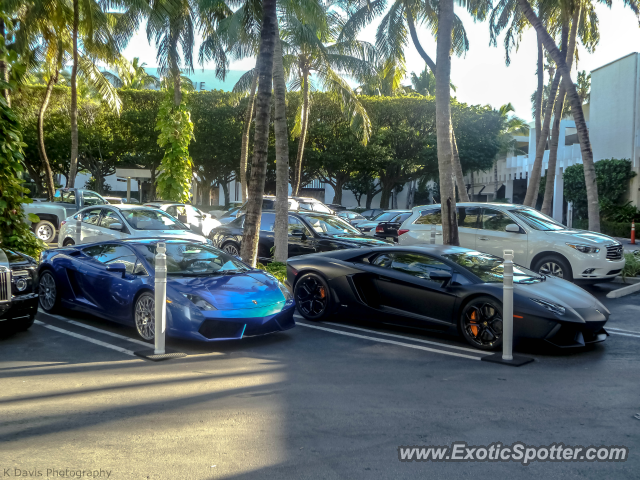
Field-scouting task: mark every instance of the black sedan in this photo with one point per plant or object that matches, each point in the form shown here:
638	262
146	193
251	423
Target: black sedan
18	300
436	287
389	229
309	232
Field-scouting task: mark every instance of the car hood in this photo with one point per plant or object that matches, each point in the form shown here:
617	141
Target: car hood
561	292
172	234
582	236
354	240
232	292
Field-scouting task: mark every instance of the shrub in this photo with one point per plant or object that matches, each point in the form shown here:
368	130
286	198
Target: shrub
613	229
632	266
277	269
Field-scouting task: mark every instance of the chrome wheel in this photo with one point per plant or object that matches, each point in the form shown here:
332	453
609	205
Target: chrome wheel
47	291
45	232
481	324
312	297
145	316
551	268
231	249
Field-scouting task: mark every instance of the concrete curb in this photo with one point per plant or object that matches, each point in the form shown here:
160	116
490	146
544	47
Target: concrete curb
626	281
621	292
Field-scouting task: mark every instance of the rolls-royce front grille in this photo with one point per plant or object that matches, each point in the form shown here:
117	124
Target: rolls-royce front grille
5	285
614	252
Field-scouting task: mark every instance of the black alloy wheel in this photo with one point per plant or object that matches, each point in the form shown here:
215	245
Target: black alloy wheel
312	297
48	292
481	323
231	248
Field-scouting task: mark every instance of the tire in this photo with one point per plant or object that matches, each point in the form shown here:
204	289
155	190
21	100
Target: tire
231	248
313	297
48	295
68	242
554	266
45	231
144	316
480	323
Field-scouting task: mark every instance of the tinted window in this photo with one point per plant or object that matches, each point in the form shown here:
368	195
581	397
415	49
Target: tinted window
537	220
151	220
468	216
110	217
401	218
172	210
495	220
385	217
414	264
330	224
267	222
62	196
112	253
367	213
91	216
297	225
429	217
490	268
192	259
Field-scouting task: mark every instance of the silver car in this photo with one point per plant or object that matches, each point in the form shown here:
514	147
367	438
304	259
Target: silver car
109	222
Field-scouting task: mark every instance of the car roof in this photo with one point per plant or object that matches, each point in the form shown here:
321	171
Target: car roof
153	240
119	206
474	204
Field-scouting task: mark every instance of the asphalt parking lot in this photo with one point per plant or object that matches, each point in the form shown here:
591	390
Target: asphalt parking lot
331	400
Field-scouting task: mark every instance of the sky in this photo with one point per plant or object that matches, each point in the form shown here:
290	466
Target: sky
481	76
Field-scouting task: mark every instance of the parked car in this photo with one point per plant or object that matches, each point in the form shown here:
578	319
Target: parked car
196	220
18	297
371	213
389	229
539	242
336	207
225	217
115	200
210	295
114	222
66	202
439	287
313	205
309	232
352	217
369	228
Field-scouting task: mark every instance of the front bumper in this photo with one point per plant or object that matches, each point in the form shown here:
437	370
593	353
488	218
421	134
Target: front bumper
597	268
21	307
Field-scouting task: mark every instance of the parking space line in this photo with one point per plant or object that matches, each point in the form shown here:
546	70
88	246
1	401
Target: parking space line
392	342
86	339
96	329
621	330
438	344
624	334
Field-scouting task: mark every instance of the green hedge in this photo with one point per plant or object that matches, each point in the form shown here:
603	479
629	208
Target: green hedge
612	229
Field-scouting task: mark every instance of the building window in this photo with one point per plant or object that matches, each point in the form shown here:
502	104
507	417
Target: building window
201	86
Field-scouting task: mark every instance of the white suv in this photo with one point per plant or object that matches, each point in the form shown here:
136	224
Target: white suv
538	241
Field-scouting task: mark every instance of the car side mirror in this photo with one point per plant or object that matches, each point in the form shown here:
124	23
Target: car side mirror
115	226
512	227
441	276
117	268
297	233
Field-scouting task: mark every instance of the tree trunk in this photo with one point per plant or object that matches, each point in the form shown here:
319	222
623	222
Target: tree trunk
303	133
246	130
578	115
281	229
540	91
249	248
385	194
4	68
73	165
48	174
457	168
337	192
531	197
443	123
547	203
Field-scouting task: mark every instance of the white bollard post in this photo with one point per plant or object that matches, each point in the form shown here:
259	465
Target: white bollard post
507	306
570	215
78	232
160	312
433	234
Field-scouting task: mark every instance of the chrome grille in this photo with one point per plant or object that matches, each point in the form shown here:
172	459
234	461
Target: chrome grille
614	252
5	285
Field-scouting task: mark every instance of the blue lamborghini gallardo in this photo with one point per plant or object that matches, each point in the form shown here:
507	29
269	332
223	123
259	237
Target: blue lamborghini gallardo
211	295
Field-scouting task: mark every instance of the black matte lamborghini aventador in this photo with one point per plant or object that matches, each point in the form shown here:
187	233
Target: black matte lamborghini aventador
435	287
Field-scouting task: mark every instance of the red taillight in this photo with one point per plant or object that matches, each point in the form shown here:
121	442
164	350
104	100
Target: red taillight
379	229
402	231
293	270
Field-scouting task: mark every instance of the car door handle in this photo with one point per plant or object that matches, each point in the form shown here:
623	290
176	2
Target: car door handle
385	279
483	238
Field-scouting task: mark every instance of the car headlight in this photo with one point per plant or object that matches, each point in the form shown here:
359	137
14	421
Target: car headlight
552	307
583	248
285	291
199	302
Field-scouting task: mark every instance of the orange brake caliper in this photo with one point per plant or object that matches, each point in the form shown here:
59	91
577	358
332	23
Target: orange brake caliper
474	328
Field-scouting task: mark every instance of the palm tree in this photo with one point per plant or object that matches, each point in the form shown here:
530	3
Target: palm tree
511	126
264	68
132	75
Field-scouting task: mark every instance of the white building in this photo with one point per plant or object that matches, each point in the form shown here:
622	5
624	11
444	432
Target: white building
613	119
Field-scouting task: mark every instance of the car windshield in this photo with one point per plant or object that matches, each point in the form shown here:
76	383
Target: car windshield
315	207
384	217
64	196
194	259
490	269
537	220
144	219
330	225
